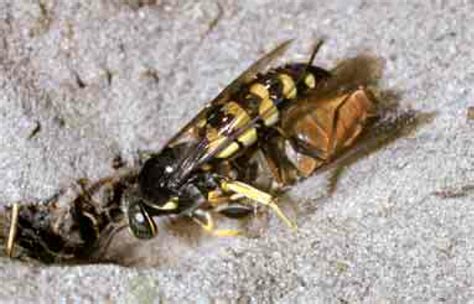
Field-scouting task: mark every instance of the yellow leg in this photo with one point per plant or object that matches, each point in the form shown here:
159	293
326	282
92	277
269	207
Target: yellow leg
257	196
205	220
216	198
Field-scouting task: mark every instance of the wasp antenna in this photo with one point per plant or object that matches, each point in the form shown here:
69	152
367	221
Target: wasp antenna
316	48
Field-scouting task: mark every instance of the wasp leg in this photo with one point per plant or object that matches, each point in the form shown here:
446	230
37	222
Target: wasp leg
274	158
257	196
205	220
235	210
229	205
216	198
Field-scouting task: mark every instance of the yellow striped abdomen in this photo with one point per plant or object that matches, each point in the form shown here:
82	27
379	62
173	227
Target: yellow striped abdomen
261	105
233	119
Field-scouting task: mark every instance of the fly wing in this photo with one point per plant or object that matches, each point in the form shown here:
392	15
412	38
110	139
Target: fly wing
350	74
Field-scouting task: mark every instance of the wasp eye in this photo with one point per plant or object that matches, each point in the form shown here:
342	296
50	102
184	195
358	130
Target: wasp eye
140	221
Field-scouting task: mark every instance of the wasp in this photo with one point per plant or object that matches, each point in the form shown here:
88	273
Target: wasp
289	120
266	130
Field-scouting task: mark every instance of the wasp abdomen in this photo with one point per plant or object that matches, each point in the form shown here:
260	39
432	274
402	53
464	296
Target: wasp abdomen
280	86
261	100
223	122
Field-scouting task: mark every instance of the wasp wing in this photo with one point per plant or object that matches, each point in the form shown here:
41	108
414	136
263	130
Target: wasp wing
246	76
264	61
260	65
199	151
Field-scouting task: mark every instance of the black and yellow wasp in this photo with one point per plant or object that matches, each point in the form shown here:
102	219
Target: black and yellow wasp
266	130
287	121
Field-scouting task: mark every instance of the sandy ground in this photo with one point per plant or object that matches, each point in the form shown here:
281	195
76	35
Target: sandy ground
83	81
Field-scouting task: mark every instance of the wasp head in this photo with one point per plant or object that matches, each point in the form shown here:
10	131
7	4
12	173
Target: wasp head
154	182
157	193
